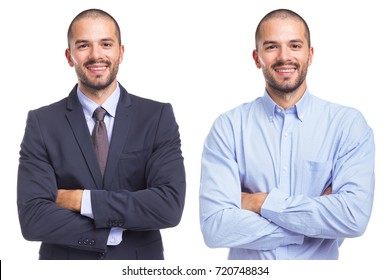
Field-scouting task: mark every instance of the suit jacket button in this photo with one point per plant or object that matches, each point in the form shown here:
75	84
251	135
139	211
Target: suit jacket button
92	242
101	256
109	223
80	242
121	223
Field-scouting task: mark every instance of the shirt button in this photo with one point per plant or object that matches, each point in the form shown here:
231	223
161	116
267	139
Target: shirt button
112	240
284	168
285	134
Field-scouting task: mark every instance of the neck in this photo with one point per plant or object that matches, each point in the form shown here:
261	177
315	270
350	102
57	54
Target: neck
99	96
286	99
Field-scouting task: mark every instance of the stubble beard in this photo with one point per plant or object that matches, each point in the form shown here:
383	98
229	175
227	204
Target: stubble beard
287	86
100	84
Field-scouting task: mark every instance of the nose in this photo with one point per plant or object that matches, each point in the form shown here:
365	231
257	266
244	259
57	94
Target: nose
284	53
95	52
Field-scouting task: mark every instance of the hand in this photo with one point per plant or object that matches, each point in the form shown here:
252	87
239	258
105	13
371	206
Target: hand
328	190
253	201
69	199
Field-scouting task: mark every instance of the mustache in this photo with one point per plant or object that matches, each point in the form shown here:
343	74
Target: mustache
91	62
281	63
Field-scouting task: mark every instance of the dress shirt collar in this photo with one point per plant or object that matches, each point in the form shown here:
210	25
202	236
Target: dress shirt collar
300	108
90	106
302	105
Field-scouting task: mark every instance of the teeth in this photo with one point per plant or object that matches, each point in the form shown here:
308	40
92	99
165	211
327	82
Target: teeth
97	68
286	70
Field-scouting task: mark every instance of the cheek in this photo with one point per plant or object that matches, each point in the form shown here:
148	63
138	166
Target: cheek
76	61
259	61
262	62
266	60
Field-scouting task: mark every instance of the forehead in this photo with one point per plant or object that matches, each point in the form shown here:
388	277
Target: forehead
93	28
282	29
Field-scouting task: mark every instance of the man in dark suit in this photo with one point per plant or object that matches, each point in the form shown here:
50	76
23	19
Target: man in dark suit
65	200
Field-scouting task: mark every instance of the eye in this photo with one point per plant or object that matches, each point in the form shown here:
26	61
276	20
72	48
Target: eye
82	46
296	46
107	45
271	47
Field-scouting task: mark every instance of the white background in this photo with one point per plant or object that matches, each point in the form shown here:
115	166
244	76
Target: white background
197	56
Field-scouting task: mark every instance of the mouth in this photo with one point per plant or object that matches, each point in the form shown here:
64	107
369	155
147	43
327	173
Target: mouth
289	70
97	68
285	70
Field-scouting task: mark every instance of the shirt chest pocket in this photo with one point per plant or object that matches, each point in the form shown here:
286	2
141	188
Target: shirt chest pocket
316	176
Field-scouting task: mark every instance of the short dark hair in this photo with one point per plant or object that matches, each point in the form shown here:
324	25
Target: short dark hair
94	13
283	14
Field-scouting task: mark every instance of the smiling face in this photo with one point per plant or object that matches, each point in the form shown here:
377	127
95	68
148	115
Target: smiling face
284	55
95	53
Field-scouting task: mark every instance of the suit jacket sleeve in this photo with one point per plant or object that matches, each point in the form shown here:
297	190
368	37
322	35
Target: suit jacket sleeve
154	197
40	218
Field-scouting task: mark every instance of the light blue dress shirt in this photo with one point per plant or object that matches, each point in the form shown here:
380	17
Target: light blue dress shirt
293	155
89	107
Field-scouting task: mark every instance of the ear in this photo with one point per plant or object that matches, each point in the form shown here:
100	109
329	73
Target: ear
122	51
311	53
69	57
256	58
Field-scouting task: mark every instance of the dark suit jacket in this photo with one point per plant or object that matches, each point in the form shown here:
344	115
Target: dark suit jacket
143	189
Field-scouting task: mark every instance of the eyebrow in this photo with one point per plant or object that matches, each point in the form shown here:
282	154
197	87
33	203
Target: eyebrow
101	40
270	42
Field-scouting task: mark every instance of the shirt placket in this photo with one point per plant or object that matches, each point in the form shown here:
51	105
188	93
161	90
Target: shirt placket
287	123
286	152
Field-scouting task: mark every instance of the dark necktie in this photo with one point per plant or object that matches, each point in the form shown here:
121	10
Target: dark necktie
100	137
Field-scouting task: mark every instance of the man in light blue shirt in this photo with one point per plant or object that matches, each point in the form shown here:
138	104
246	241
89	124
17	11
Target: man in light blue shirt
288	175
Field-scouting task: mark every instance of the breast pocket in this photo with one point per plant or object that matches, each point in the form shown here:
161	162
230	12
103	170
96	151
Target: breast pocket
132	170
316	176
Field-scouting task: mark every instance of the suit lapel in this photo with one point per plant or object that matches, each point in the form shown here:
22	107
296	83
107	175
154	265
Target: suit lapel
79	126
119	135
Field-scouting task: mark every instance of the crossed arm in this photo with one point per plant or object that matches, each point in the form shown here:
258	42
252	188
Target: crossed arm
70	199
254	201
43	201
276	218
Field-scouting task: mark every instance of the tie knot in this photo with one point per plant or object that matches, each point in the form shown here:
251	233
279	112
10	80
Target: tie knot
99	114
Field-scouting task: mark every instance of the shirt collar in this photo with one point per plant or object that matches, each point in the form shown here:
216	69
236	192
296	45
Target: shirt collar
90	106
302	105
299	109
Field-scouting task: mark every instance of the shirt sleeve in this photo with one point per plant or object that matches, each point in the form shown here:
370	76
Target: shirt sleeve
345	212
115	236
86	206
223	222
